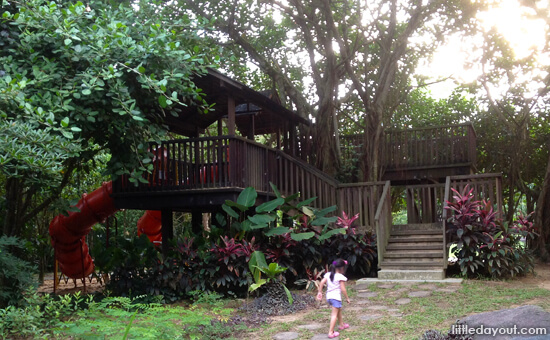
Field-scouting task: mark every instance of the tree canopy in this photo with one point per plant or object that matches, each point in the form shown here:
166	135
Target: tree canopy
76	79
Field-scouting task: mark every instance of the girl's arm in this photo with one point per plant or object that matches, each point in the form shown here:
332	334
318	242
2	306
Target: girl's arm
343	289
320	290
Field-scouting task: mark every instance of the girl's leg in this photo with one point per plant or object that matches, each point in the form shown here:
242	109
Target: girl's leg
333	317
340	322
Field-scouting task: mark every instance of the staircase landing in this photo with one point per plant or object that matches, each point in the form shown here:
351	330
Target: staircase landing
414	252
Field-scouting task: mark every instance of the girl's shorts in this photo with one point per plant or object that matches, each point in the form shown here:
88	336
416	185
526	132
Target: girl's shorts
335	303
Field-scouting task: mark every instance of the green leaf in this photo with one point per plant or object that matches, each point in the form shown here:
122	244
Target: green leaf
275	190
277	231
261	218
86	92
292	197
302	236
65	122
324	220
141	69
308	211
288	295
306	202
229	211
257	259
162	101
258	226
325	211
236	205
247	197
331	233
68	42
270	206
257	285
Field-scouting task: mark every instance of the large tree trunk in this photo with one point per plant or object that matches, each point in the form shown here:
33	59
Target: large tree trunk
542	217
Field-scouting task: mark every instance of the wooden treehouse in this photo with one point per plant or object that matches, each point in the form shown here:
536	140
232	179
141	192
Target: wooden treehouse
199	173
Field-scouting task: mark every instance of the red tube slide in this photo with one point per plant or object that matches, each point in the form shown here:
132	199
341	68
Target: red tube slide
68	232
150	225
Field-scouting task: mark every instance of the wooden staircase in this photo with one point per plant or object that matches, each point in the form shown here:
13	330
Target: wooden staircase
414	252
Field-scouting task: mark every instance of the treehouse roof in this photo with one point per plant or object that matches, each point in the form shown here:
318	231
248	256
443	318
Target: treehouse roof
259	111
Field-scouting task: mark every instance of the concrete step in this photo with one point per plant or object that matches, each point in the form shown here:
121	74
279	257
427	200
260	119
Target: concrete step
409	246
399	274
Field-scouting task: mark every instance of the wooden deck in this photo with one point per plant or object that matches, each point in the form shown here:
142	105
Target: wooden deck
424	153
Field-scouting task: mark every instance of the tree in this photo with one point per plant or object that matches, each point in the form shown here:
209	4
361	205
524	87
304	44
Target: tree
334	59
76	80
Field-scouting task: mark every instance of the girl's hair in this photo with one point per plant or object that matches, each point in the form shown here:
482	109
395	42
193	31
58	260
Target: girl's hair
337	264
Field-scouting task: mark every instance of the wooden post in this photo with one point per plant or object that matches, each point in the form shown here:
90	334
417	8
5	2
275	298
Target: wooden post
167	230
83	269
196	222
251	132
231	115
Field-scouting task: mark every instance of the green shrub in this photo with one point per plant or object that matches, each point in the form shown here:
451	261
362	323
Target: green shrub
16	275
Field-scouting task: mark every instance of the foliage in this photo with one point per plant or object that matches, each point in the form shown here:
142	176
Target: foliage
16	275
79	79
485	245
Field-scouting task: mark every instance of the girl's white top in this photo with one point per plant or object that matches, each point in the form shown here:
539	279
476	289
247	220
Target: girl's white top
333	287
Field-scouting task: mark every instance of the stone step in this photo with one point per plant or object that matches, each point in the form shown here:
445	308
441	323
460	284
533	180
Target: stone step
416	238
398	274
412	264
416	232
412	246
432	254
417	226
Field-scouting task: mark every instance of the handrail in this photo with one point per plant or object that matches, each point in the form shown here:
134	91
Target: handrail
383	227
444	221
432	127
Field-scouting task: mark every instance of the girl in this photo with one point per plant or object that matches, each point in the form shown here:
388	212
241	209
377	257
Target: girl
336	284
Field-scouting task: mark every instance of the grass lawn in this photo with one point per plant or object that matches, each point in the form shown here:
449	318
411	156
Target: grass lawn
446	304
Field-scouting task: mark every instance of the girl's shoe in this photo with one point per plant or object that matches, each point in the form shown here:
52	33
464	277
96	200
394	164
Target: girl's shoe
343	327
333	335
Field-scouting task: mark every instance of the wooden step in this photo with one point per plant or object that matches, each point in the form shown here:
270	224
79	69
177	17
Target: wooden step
417	275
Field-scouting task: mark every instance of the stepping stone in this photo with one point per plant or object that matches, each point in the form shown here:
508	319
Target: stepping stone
393	310
361	286
387	286
420	293
355	309
311	327
323	336
362	302
402	301
367	295
368	317
428	286
446	290
378	307
286	336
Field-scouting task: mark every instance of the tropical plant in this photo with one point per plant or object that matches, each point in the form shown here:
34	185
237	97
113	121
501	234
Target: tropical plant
484	244
273	281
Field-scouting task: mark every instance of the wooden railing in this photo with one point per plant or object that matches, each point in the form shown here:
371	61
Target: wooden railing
425	147
383	221
231	161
